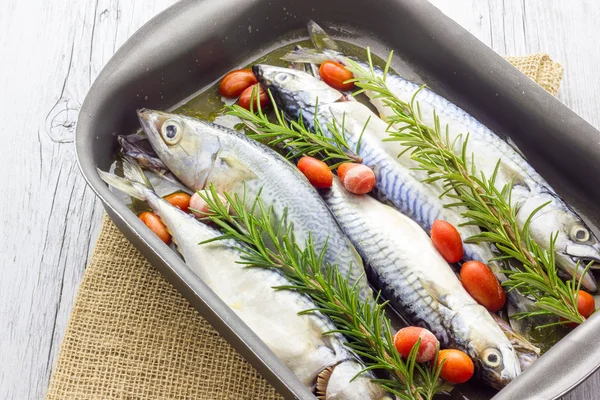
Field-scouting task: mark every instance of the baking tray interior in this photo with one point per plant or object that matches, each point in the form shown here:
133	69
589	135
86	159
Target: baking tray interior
193	43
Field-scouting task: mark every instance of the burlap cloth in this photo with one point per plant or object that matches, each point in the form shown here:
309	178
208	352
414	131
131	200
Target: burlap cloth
133	336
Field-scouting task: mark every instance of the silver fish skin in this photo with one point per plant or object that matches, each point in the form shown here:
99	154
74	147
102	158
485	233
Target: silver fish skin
576	244
417	281
200	153
297	94
298	340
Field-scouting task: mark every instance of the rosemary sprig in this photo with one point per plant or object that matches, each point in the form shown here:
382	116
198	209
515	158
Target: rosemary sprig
271	244
487	207
295	138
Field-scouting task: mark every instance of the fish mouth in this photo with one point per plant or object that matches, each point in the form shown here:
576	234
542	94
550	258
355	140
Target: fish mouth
575	265
151	120
594	263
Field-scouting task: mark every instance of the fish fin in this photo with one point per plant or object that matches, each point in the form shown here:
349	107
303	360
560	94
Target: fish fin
310	56
133	171
124	185
512	173
239	171
319	38
514	146
429	288
134	181
323	382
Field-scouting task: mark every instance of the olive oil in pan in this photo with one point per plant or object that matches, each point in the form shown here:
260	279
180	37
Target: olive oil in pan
209	104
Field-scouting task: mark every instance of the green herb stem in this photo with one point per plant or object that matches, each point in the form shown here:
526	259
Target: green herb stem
293	136
271	244
487	207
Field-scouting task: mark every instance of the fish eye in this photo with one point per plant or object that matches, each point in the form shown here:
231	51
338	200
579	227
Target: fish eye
580	234
171	131
492	358
281	77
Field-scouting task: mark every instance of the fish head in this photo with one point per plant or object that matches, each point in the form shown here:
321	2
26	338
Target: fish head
527	353
295	90
575	245
188	147
343	382
495	359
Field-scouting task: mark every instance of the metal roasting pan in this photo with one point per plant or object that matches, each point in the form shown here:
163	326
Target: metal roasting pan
194	42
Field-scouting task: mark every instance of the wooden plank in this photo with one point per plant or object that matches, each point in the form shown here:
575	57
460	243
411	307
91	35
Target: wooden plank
54	54
519	27
49	231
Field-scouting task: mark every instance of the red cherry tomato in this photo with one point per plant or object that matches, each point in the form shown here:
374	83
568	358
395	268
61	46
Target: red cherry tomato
447	241
250	93
357	178
343	169
180	200
335	74
483	286
153	222
235	82
406	338
457	368
585	304
317	172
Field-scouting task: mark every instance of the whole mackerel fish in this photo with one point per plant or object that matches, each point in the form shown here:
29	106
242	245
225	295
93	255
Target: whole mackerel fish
417	282
575	246
297	94
319	360
200	153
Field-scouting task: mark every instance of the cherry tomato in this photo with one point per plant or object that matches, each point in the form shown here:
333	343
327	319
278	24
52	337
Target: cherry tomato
343	169
180	200
358	179
153	222
585	304
235	82
406	338
250	93
200	206
335	74
446	240
458	367
483	286
317	172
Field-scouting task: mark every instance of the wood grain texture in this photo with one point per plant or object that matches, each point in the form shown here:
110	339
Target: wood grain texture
50	58
50	218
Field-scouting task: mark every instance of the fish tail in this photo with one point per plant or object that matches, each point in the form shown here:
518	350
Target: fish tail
303	55
133	171
319	38
134	184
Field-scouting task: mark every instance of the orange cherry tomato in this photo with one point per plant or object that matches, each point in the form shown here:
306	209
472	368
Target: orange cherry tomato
343	169
585	304
235	82
406	338
357	179
180	200
153	222
317	172
457	368
483	286
335	74
446	240
249	93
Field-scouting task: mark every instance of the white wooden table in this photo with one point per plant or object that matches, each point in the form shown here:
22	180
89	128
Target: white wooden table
51	51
